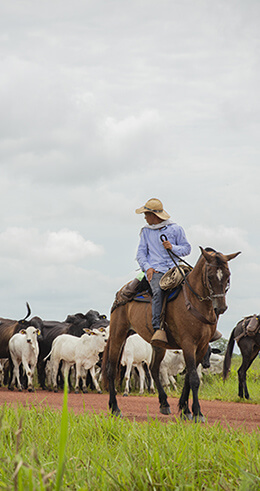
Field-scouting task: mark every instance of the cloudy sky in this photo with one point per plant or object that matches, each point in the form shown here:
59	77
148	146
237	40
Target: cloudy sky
105	104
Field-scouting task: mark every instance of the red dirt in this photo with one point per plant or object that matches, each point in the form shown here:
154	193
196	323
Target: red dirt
139	408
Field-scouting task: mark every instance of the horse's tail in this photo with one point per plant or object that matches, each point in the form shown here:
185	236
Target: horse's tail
228	355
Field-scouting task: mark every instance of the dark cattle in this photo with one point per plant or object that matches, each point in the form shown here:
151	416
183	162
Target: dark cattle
249	345
74	325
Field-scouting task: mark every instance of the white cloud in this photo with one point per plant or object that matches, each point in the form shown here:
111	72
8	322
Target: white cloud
106	104
223	239
63	246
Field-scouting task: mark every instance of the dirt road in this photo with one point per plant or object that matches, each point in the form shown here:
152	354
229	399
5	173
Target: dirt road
139	408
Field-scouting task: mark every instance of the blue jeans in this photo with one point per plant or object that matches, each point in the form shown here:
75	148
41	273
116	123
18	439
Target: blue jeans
157	299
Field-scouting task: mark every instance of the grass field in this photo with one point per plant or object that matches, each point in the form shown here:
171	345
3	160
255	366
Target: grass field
47	450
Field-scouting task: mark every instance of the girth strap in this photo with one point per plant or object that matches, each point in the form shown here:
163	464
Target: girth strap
194	311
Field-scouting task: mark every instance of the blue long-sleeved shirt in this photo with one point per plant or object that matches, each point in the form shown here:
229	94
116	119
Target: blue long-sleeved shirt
152	254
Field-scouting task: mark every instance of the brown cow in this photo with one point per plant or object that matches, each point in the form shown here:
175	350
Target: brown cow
9	327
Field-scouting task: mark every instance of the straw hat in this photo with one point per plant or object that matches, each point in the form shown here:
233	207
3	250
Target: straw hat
155	206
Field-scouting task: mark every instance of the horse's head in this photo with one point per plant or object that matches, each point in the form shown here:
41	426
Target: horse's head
216	277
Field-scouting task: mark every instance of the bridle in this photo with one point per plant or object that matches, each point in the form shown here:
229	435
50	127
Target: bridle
206	284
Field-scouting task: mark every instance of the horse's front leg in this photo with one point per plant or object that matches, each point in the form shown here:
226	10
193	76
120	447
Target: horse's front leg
184	399
158	354
194	384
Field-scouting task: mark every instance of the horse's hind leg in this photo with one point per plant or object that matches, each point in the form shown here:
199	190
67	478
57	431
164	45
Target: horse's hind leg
158	354
118	332
246	363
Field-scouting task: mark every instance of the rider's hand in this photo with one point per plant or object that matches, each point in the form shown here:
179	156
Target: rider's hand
167	245
149	274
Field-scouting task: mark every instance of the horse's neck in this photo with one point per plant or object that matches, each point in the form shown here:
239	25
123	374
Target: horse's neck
196	278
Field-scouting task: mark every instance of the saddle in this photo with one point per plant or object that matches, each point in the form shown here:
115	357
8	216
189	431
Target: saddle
250	326
140	291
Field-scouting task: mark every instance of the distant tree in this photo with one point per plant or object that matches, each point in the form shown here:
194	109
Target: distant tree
221	344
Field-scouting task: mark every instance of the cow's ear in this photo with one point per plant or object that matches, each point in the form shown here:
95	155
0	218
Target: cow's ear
22	331
38	332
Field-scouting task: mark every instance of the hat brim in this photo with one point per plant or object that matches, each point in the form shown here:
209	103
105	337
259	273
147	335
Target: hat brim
161	214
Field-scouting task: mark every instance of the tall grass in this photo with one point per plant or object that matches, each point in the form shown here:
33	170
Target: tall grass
105	452
42	449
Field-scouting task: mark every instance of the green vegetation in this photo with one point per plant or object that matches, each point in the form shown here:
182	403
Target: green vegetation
42	449
104	452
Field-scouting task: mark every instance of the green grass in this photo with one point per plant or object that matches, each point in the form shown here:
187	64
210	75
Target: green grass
42	449
105	452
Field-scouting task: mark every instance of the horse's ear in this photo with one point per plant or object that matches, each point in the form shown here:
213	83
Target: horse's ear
232	256
206	254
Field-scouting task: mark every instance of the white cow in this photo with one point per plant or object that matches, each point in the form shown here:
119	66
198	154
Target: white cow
24	348
136	351
172	364
216	364
83	352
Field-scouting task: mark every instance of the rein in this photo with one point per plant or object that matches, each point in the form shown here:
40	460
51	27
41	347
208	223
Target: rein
194	311
188	304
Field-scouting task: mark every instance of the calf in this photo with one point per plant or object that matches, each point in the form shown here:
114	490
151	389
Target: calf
24	348
172	364
83	352
136	352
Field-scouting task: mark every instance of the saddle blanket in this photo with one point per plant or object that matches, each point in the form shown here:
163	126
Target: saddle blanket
146	297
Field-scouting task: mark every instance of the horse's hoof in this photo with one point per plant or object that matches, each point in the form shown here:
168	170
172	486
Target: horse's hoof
99	391
199	418
165	410
186	417
125	394
85	391
56	390
117	413
76	391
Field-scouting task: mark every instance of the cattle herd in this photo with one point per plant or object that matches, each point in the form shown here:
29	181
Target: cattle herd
52	351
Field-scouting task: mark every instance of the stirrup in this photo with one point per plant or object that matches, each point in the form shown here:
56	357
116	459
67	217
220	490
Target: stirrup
159	339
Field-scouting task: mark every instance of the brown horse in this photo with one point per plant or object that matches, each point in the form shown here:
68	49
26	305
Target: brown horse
191	321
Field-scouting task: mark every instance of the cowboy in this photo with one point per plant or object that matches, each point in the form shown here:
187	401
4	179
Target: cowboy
152	255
